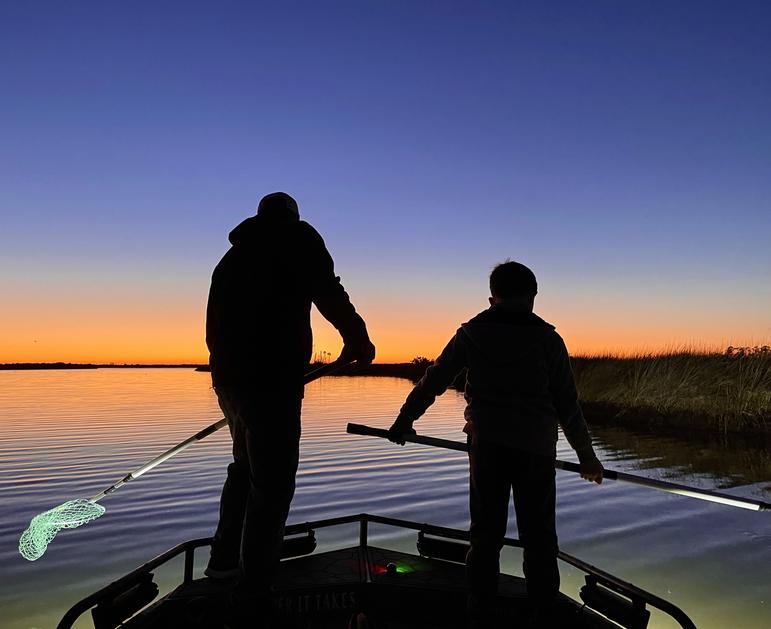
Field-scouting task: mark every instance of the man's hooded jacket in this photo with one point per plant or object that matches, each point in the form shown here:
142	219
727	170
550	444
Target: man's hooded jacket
258	327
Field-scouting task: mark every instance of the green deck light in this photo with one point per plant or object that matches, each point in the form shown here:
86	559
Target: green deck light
392	568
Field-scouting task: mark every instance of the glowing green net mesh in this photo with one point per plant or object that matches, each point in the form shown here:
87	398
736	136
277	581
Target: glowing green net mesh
44	526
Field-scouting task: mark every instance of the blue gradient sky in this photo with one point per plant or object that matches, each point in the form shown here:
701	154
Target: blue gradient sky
622	150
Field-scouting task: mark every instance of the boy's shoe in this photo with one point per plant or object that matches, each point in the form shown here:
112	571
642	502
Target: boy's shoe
358	621
480	611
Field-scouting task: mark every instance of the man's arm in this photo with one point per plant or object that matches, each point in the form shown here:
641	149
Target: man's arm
434	382
571	417
334	304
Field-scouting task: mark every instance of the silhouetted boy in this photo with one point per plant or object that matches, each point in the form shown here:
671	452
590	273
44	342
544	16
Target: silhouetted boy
519	387
259	337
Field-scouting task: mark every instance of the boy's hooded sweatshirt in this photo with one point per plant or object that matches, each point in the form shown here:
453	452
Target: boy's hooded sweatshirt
519	384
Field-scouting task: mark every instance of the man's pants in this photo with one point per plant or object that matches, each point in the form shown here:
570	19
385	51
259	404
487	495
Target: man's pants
494	472
265	428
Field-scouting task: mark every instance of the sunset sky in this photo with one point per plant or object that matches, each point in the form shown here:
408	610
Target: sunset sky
622	150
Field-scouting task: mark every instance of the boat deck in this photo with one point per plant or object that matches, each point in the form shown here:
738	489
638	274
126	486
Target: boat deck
323	591
391	589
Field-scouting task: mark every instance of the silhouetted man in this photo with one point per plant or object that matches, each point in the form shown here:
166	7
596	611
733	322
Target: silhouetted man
519	387
259	337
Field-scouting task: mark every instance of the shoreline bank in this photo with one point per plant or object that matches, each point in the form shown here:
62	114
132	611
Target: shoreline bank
680	391
62	365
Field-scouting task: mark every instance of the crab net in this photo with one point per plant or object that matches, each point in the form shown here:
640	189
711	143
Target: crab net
44	526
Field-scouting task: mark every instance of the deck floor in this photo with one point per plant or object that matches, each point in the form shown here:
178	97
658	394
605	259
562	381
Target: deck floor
323	591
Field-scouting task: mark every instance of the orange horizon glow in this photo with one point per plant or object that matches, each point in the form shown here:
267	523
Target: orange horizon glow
161	320
173	337
160	327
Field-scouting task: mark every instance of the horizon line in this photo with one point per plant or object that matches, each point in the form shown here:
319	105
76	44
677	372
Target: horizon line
700	350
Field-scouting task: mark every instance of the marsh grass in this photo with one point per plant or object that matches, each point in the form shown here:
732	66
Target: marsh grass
730	390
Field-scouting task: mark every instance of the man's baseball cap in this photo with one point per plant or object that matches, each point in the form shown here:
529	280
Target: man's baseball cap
278	205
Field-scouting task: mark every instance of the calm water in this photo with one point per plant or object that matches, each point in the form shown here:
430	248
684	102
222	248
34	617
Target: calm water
66	434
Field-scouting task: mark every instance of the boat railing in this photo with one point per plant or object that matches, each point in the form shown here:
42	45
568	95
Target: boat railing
133	580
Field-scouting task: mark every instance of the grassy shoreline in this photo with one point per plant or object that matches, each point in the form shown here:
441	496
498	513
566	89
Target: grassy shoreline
724	392
682	390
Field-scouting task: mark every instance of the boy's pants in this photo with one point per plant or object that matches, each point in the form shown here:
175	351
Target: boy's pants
260	484
495	471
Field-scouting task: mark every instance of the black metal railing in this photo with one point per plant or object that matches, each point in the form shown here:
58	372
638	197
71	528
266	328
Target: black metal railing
363	519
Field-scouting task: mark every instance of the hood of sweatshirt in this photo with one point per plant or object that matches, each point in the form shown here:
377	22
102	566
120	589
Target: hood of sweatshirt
258	227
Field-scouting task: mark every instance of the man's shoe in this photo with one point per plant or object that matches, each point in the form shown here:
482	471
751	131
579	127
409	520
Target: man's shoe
249	610
221	572
546	615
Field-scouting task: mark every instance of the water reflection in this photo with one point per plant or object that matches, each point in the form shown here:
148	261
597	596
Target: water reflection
67	434
730	461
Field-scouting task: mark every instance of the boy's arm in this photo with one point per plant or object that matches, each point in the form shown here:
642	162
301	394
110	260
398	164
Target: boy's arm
434	382
571	417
